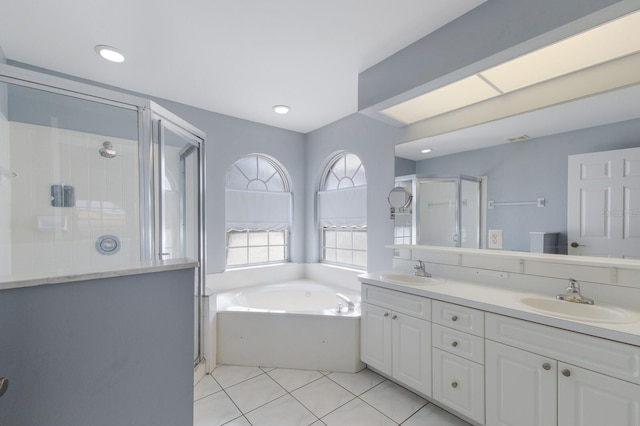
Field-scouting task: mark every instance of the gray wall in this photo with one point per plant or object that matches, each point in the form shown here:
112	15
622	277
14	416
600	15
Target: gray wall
116	351
372	141
404	167
525	171
229	139
490	28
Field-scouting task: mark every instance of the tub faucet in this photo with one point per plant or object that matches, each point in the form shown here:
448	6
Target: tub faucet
420	271
350	305
572	294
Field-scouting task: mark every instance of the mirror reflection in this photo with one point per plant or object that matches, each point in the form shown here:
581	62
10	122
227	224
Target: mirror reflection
561	178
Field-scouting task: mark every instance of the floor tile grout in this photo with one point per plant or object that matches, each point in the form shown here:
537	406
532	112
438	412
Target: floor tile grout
289	393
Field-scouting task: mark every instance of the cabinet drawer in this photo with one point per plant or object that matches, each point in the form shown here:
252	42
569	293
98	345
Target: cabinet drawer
458	317
605	356
462	344
419	307
459	384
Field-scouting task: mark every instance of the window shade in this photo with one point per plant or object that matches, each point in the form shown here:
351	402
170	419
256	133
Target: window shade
343	207
259	210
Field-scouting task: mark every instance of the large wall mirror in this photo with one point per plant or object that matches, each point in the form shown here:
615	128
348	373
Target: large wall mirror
535	140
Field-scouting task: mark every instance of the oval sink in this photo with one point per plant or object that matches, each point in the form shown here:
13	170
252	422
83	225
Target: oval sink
579	311
409	279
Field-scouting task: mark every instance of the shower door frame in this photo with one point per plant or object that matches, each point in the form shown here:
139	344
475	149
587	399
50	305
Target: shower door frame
196	139
146	168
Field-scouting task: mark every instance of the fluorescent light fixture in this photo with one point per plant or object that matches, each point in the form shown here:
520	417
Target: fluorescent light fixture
281	109
616	40
426	151
109	53
604	43
456	95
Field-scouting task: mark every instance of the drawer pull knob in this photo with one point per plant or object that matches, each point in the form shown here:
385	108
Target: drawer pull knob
454	385
394	317
386	314
566	372
454	343
546	366
454	318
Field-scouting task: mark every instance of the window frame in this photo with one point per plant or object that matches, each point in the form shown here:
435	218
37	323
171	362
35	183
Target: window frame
279	171
324	183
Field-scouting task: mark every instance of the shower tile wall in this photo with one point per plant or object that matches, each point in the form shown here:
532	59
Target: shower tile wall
5	196
106	199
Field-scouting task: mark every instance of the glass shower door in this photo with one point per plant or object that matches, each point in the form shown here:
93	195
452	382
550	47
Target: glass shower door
179	237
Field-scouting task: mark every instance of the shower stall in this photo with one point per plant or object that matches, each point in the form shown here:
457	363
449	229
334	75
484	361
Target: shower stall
448	211
95	180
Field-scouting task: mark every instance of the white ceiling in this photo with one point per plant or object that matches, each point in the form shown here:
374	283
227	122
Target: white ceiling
236	57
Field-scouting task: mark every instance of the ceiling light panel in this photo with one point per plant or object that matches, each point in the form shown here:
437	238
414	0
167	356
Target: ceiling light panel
456	95
612	40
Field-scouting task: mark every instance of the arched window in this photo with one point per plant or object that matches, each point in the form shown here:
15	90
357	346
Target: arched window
258	212
342	211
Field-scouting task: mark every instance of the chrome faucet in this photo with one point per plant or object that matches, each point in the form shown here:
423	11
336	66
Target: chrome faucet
572	294
420	271
350	306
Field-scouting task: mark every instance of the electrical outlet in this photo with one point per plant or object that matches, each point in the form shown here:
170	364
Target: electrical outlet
495	238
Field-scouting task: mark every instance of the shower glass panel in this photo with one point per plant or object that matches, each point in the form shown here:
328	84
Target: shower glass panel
449	212
179	204
61	190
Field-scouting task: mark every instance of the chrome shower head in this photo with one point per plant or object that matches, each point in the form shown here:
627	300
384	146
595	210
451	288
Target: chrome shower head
107	150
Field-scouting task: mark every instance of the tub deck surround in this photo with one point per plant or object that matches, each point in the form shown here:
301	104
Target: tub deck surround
13	282
292	324
503	301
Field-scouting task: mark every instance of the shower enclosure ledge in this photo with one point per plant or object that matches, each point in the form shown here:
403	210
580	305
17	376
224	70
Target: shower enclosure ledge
141	268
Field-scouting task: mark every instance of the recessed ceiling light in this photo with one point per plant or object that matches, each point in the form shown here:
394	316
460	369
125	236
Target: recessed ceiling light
109	53
426	151
281	109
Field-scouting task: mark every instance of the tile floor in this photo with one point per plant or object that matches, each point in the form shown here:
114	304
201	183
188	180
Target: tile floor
240	396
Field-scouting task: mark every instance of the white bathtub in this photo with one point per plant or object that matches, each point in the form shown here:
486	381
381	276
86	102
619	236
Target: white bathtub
294	324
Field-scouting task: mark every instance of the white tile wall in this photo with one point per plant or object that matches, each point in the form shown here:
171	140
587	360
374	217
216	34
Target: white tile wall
106	194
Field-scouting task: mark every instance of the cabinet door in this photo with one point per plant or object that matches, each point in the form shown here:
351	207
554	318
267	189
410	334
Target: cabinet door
459	384
375	337
411	341
586	398
521	387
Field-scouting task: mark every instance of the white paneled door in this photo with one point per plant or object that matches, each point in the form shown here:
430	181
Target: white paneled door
603	211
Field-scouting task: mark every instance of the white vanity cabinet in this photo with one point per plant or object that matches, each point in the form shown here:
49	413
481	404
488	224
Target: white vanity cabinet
458	358
540	375
396	336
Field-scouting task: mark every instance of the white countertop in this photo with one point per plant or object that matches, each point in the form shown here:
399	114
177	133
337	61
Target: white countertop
13	282
506	302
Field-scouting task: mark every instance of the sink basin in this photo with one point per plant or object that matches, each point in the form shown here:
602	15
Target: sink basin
409	279
579	311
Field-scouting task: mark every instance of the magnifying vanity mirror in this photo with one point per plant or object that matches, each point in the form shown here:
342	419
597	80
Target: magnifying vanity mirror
399	197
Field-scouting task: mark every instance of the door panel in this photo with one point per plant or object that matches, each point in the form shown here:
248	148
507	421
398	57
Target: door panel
603	211
586	398
520	390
